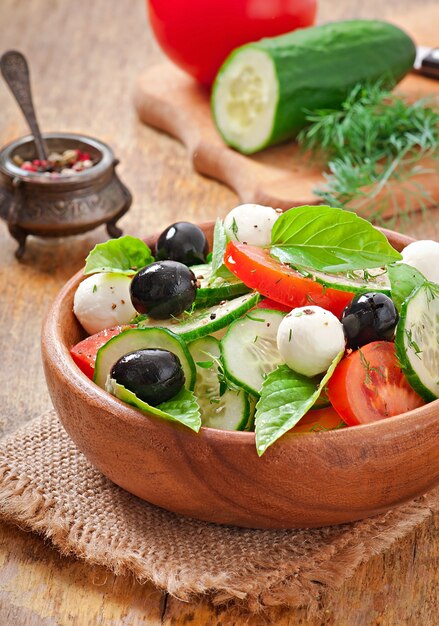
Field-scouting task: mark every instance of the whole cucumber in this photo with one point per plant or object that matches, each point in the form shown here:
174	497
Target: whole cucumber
263	90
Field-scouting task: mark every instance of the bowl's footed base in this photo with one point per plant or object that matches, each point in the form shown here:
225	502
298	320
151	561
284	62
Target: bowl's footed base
20	233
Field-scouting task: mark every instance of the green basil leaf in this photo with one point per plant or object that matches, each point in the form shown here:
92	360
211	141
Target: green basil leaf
285	398
125	255
219	245
182	408
218	251
404	279
330	240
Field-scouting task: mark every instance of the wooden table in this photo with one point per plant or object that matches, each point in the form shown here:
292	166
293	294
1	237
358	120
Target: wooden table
85	57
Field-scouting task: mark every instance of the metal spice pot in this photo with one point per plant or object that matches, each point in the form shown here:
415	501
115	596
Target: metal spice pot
33	204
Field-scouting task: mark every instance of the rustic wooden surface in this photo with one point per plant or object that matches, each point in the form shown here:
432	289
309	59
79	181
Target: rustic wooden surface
85	58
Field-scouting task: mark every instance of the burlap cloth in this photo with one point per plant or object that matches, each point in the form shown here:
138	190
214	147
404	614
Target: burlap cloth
48	486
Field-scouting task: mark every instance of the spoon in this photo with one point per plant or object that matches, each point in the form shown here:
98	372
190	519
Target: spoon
15	71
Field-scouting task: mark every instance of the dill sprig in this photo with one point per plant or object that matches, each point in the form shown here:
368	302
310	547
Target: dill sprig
374	147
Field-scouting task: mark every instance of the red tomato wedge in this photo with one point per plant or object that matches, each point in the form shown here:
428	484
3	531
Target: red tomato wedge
319	420
84	353
258	270
267	303
368	385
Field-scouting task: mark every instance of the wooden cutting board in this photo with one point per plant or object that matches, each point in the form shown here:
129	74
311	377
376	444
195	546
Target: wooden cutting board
281	176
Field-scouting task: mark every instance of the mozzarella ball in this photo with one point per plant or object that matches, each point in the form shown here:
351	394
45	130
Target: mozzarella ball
251	223
103	300
309	338
424	256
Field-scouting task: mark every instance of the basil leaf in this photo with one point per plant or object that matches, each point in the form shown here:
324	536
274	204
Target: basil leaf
330	240
218	251
125	255
219	245
404	279
182	408
285	398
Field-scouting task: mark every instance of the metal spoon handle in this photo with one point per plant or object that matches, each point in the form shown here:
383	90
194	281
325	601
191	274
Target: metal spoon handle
15	71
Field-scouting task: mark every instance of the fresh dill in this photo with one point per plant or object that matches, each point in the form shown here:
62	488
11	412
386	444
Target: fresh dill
234	228
375	147
189	312
412	343
224	383
204	364
368	368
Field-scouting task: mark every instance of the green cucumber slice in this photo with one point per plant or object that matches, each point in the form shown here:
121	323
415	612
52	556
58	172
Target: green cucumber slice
249	349
202	322
263	91
417	340
140	339
229	411
212	290
357	281
182	408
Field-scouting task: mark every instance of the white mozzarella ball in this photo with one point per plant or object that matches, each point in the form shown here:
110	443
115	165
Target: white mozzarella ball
103	300
424	256
251	223
309	338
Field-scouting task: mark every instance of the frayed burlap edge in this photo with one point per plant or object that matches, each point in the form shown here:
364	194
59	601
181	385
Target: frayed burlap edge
24	504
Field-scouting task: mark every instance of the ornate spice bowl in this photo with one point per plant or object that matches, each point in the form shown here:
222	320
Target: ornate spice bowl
33	204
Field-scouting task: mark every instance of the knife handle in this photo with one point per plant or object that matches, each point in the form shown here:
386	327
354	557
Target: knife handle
430	64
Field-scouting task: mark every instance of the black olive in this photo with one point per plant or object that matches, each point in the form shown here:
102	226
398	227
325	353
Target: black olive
369	317
153	375
183	242
163	289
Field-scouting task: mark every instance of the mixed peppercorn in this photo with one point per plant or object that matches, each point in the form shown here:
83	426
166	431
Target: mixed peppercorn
58	164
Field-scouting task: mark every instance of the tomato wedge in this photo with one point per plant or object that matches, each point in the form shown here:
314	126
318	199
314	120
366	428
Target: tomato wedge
84	353
267	303
258	270
319	420
368	385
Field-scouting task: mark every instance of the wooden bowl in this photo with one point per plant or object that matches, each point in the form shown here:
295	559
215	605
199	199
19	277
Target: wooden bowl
301	481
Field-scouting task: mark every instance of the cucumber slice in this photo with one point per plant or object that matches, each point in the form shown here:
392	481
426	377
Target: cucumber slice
357	281
249	349
264	89
215	289
417	340
139	339
229	411
202	322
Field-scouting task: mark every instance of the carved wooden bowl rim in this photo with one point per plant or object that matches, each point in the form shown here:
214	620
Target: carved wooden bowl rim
13	171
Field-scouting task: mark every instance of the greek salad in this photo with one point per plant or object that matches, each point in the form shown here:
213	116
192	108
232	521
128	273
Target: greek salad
300	322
